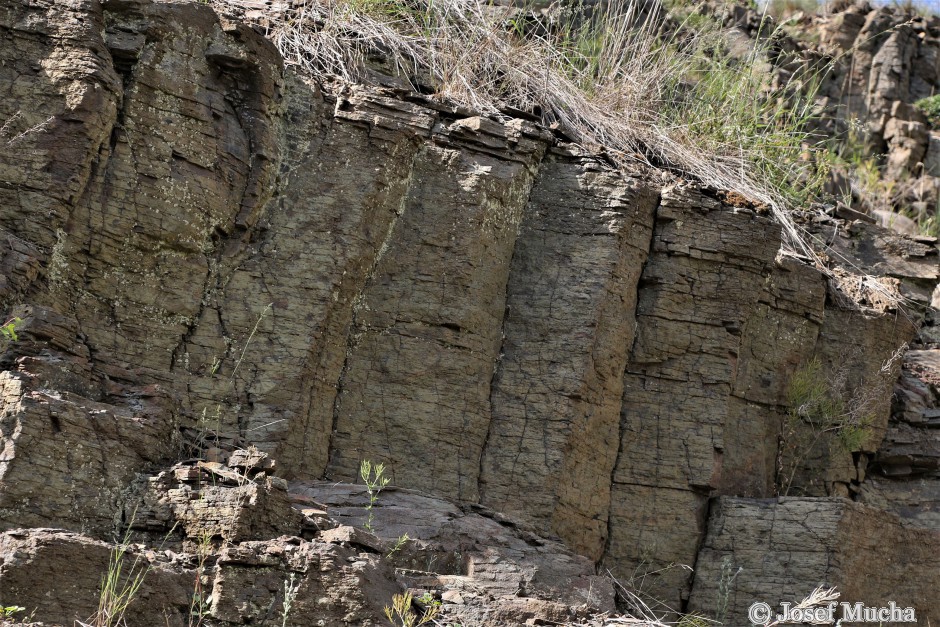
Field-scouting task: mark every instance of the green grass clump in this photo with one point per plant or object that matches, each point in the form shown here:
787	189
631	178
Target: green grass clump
810	398
782	9
7	612
823	412
930	107
8	331
401	614
119	587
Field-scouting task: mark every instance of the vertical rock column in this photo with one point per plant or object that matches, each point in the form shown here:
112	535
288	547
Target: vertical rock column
778	338
347	170
59	99
415	389
191	160
905	473
138	159
569	325
708	265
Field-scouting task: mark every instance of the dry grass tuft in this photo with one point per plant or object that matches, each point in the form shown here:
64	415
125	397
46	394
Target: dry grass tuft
629	80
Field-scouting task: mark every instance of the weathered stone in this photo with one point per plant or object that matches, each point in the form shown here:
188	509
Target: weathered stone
68	460
695	296
786	548
500	565
569	324
904	476
427	325
776	341
56	576
932	155
231	507
279	266
60	98
345	214
907	145
332	585
896	222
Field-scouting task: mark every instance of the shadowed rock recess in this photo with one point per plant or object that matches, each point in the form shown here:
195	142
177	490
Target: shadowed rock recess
236	282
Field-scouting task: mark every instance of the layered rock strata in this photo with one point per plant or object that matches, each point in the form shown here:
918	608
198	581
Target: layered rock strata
272	276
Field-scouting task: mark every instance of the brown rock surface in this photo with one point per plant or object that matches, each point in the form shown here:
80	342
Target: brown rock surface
904	475
501	569
786	548
427	326
70	450
230	275
707	383
212	500
694	297
569	324
332	584
56	576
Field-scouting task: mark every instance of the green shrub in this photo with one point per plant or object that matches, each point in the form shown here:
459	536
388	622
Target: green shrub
401	614
8	331
930	107
9	611
823	412
782	9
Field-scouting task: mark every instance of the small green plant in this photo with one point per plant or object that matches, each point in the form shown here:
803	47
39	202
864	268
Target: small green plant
290	593
402	540
8	611
930	107
8	330
118	588
201	604
375	480
401	613
725	582
820	407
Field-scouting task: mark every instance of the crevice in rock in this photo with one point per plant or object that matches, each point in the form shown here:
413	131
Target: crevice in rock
684	607
357	302
641	283
536	171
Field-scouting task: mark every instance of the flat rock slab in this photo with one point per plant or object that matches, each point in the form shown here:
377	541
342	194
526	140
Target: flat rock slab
467	548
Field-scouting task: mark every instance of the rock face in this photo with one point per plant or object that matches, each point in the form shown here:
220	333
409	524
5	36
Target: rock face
780	545
230	275
879	62
69	567
552	441
905	475
488	568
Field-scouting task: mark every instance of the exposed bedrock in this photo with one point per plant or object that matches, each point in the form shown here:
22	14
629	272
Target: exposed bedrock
775	550
214	256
